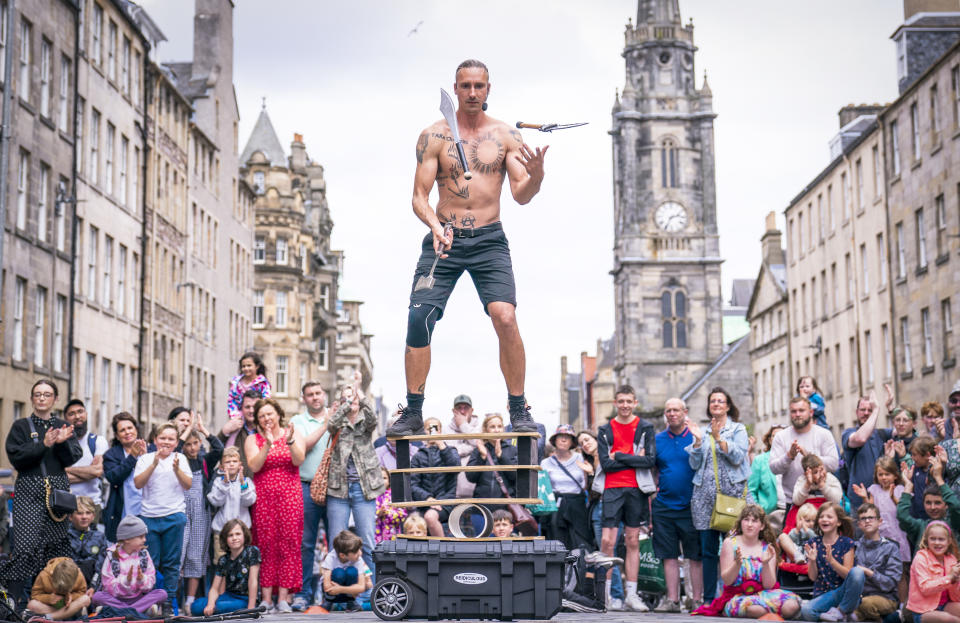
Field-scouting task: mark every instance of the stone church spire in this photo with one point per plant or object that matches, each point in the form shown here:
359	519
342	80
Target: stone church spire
653	12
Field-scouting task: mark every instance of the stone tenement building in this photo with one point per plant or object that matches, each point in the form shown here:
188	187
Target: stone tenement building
870	290
111	114
296	273
666	269
215	277
769	316
37	245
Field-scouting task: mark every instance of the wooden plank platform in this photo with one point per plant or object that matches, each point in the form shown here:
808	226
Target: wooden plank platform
462	436
469	538
454	502
466	468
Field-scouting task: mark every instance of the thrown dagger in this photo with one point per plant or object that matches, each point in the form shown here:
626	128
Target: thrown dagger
549	127
446	107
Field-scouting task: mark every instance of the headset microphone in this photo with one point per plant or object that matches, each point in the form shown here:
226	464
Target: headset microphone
483	106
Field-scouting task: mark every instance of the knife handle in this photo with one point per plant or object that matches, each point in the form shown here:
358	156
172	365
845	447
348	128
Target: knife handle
467	175
530	126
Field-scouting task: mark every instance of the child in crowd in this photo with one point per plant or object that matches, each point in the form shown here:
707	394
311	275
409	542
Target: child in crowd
816	482
196	533
345	575
389	517
748	569
837	584
235	585
253	375
59	592
792	542
163	476
885	493
879	559
808	388
232	494
502	524
934	577
89	545
415	525
921	452
939	502
128	576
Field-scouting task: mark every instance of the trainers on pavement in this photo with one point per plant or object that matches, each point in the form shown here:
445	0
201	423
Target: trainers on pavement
615	604
598	558
353	606
635	603
667	605
521	421
283	606
267	607
299	604
833	614
410	422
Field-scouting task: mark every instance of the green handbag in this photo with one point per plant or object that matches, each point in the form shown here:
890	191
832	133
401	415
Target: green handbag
548	501
727	509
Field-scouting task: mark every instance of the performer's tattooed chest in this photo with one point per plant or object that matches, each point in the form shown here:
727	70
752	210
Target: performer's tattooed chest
485	154
450	174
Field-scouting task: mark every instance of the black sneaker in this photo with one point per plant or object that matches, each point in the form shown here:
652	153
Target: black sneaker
353	606
410	422
521	421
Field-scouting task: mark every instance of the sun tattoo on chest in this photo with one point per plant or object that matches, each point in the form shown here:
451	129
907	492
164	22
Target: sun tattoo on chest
486	154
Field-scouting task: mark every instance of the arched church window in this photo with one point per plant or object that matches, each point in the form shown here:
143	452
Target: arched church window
669	165
673	311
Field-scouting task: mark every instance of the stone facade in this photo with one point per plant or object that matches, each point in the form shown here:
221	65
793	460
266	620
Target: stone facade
769	316
729	372
837	243
166	235
35	284
921	139
220	222
112	111
353	345
666	254
296	275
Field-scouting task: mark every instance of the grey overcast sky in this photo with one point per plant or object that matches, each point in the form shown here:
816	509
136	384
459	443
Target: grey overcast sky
349	78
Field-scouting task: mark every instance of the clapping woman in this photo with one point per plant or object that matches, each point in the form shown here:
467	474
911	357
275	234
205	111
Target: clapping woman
274	455
118	465
35	441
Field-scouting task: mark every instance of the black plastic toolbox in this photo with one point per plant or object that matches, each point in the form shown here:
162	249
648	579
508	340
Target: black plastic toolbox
448	579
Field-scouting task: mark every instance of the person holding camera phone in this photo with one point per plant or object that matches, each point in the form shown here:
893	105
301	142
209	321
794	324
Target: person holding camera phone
434	486
38	537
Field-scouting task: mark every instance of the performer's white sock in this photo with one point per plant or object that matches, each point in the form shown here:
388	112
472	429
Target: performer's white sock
630	588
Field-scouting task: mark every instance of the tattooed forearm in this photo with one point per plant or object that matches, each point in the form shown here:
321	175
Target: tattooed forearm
421	146
486	154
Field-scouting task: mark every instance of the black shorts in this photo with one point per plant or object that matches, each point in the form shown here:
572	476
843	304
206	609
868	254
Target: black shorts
483	252
625	504
671	528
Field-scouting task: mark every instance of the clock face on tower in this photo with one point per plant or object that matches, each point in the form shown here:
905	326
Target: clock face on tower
671	217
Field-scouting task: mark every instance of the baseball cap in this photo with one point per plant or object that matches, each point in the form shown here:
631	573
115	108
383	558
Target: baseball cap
462	399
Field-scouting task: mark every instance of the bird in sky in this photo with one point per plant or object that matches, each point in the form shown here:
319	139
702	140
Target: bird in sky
415	29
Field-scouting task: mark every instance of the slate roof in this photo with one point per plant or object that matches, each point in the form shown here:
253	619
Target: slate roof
182	74
741	290
264	139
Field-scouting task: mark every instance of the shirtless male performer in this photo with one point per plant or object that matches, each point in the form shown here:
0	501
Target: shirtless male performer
476	243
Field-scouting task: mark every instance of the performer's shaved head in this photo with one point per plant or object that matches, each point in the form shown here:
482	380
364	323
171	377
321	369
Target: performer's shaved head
471	63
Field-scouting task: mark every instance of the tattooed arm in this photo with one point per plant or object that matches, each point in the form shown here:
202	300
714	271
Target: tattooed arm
427	165
524	167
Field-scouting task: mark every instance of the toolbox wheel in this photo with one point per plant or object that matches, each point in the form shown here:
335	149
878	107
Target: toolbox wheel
392	599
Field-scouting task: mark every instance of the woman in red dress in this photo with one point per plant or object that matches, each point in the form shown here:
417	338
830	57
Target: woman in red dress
274	455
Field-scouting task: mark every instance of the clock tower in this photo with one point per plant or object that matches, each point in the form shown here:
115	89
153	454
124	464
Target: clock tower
666	266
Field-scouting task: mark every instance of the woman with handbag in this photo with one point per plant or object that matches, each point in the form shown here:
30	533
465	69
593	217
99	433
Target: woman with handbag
39	448
719	459
571	523
354	479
